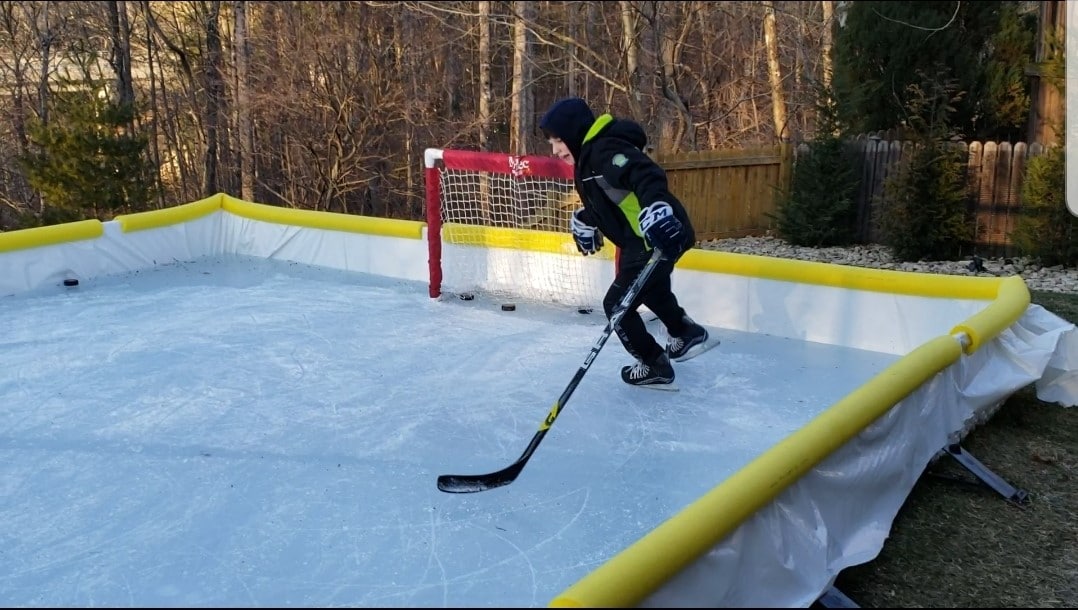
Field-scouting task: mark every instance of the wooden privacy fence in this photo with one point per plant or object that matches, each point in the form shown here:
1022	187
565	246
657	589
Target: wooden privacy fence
995	172
731	193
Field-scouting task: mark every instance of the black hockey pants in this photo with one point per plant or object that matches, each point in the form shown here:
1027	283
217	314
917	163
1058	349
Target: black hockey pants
656	295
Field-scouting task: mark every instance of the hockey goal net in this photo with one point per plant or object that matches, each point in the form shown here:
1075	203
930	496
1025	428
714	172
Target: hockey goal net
498	224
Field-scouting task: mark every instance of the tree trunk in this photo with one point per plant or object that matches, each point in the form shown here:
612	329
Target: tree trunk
679	128
243	104
631	48
214	100
827	43
484	75
173	106
45	35
11	25
523	94
120	53
155	146
774	71
573	14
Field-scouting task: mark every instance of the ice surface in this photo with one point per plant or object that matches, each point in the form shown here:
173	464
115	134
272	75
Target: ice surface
242	432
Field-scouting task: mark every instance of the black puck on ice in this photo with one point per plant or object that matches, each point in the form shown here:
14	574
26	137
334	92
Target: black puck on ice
466	296
508	307
584	310
71	282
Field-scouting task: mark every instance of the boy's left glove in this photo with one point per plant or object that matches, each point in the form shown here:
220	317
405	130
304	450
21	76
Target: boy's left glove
662	229
588	239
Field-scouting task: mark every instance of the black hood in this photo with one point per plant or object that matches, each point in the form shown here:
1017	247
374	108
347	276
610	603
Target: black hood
569	120
628	131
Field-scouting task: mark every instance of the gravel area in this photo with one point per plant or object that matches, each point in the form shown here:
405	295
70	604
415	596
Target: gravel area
1049	279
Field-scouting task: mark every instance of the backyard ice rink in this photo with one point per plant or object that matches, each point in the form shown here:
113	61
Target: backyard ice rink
245	432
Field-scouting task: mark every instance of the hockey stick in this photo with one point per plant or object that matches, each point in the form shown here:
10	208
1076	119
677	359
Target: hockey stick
465	483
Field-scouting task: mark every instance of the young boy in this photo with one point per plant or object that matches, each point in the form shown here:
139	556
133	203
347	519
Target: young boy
627	200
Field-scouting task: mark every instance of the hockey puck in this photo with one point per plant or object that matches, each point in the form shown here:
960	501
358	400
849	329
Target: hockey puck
584	310
508	307
466	296
71	282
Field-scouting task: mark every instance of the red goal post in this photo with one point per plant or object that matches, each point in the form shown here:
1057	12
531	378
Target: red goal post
499	224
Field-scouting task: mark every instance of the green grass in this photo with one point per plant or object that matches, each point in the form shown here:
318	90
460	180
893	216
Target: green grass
961	545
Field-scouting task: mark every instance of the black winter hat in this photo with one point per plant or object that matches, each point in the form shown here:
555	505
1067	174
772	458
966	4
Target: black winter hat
569	120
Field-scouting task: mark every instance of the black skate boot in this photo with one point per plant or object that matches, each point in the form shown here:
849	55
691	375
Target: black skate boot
657	373
691	343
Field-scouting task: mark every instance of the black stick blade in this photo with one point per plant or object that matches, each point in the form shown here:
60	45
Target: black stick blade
471	483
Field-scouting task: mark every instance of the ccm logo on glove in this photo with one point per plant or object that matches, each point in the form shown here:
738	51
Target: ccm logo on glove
661	228
588	239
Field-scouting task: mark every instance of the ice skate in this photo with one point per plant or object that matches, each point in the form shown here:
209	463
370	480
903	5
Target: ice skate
657	374
692	343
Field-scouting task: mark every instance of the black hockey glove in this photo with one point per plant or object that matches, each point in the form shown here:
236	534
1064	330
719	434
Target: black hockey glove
662	229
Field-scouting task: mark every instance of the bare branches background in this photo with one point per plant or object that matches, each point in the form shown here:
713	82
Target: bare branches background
329	105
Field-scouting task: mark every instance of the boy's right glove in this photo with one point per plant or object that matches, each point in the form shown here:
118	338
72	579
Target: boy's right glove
588	239
662	229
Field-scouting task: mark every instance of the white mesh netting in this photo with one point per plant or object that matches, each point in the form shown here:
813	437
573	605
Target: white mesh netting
503	222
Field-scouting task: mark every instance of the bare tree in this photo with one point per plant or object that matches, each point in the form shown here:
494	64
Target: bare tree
484	75
521	115
16	61
827	46
152	93
17	50
774	70
211	180
575	15
47	24
328	105
630	49
46	33
120	51
245	128
182	108
670	42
